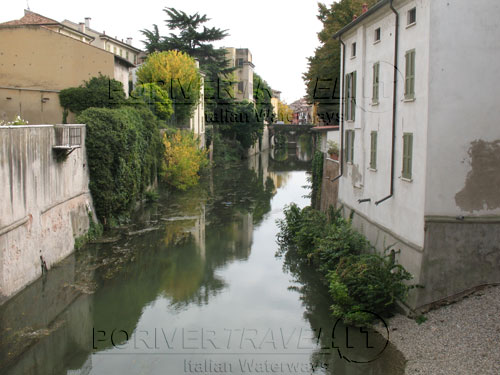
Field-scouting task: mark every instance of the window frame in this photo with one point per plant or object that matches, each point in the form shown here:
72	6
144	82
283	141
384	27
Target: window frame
350	96
410	69
406	169
353	50
376	83
373	150
378	35
412	13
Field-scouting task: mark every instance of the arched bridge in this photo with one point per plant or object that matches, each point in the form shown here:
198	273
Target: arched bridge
291	132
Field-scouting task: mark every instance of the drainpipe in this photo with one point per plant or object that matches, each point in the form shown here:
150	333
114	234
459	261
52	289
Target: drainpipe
342	118
394	102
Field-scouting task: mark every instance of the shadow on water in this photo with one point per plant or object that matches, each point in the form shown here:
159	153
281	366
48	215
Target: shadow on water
202	258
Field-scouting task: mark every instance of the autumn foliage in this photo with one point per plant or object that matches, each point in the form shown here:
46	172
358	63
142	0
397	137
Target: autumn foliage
176	73
183	160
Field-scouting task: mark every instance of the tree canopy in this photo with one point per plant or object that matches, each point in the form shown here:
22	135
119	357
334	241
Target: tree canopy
177	74
323	76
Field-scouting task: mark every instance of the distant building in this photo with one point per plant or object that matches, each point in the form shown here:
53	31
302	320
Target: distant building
302	112
241	58
275	102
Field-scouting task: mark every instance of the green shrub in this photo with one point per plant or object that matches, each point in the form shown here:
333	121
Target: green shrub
289	227
311	229
101	92
123	149
339	240
316	179
366	282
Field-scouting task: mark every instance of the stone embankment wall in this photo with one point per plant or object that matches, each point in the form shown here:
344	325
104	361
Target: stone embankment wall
44	203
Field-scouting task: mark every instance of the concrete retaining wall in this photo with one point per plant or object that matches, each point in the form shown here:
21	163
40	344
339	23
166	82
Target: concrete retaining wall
44	203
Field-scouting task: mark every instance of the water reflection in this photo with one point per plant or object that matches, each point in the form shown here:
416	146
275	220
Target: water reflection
167	291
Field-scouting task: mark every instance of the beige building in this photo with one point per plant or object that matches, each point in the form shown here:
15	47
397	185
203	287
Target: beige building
241	58
126	55
37	63
41	56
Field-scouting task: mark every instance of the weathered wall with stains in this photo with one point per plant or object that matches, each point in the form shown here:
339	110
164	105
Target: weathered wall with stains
463	155
329	188
44	203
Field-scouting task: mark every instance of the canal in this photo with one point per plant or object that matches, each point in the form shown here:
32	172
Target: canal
192	285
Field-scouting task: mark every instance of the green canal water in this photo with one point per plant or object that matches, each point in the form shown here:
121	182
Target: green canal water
192	286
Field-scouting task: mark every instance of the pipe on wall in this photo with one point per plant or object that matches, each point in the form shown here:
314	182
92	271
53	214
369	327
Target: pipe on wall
394	103
341	117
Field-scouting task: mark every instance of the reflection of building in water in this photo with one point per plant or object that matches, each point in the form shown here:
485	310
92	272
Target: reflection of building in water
240	243
198	232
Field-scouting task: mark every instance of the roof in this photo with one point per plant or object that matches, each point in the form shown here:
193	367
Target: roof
362	17
31	18
124	61
325	128
102	35
34	19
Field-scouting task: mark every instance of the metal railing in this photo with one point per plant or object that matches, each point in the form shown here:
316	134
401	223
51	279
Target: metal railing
68	136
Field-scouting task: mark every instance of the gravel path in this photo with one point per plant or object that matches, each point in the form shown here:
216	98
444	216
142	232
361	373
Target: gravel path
461	338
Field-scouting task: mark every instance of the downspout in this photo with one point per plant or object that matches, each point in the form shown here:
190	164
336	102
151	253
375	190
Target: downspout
394	102
342	117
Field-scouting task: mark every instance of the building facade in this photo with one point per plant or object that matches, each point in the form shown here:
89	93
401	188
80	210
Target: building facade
36	64
421	141
241	58
126	55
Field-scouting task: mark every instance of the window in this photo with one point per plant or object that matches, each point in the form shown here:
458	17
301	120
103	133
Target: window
114	50
126	55
135	59
410	75
240	62
373	150
407	155
349	146
376	79
412	16
121	52
350	96
377	35
241	86
353	50
108	47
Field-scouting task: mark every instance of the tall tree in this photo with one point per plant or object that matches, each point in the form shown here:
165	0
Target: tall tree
323	76
262	94
190	35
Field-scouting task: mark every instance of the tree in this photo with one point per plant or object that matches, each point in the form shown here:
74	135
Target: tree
156	98
285	113
323	76
189	35
241	124
176	73
262	94
182	160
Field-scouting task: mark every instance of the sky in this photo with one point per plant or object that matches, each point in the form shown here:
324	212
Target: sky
280	34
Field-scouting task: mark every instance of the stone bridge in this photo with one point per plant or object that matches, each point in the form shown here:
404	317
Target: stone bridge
292	132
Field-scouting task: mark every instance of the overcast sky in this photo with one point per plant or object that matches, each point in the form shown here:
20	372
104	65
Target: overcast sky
281	34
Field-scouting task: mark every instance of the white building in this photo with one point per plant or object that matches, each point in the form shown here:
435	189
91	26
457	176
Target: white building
421	138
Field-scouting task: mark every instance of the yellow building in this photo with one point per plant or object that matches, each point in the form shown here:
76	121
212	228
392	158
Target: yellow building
241	58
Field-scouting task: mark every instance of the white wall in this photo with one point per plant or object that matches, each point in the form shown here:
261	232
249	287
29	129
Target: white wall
464	108
403	213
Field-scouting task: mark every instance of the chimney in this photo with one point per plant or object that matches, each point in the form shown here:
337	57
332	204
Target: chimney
365	8
354	17
87	22
81	27
129	41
